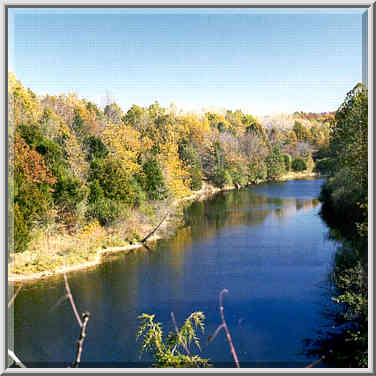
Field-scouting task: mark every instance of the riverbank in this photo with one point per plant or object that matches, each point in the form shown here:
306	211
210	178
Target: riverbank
66	253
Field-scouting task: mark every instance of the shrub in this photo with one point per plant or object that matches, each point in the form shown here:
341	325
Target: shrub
310	163
21	230
168	352
325	166
105	210
238	176
287	160
196	177
69	191
257	171
221	177
299	164
340	197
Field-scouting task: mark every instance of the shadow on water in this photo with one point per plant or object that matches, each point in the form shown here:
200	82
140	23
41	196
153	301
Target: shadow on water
266	244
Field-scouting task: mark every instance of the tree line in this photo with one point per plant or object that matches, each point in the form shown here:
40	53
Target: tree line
74	163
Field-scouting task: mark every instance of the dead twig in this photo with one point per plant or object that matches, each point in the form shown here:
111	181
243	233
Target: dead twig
85	318
69	295
315	362
178	334
11	301
224	326
80	342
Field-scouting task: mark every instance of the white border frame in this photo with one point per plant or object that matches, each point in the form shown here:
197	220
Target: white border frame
191	3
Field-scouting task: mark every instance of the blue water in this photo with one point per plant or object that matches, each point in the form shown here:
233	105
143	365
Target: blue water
267	245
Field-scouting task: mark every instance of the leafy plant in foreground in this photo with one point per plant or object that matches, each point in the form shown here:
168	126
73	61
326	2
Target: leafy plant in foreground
168	352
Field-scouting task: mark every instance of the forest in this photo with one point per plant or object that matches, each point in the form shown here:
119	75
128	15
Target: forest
77	169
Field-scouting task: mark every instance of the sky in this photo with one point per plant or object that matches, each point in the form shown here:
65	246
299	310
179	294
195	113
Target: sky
262	61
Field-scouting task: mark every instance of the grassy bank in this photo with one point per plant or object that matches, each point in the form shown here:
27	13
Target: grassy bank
53	252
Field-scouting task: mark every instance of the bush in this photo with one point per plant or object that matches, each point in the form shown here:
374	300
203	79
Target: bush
69	192
340	197
105	210
287	160
238	176
21	230
325	166
196	178
221	177
257	171
309	163
299	164
170	351
31	205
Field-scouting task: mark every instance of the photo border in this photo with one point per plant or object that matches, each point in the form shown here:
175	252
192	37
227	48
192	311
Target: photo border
370	12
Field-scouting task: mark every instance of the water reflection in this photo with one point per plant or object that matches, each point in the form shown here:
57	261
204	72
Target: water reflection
270	251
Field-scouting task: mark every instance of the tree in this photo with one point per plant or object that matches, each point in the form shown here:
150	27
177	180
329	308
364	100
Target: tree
349	141
275	163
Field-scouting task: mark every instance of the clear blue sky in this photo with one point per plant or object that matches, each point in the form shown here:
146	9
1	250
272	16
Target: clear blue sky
261	61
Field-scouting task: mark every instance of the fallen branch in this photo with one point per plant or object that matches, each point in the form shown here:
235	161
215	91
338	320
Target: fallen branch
155	229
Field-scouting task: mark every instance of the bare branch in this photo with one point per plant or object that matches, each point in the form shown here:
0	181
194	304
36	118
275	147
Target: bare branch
232	348
80	342
69	295
315	362
178	334
11	301
211	338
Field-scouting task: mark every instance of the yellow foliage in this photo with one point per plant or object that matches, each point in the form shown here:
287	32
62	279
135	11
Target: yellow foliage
23	104
127	143
176	176
90	229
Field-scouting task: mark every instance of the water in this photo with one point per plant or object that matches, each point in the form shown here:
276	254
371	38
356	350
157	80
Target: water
267	245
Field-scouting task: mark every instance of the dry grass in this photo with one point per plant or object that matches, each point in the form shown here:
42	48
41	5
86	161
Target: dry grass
52	248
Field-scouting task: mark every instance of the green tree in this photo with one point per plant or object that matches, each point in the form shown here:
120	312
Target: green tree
275	163
299	164
152	180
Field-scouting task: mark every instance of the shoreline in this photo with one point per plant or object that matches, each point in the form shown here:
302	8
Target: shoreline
205	192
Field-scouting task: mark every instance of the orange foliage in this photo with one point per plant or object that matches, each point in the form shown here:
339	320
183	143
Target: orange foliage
31	163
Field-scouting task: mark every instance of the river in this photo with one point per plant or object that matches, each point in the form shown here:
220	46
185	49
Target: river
266	244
